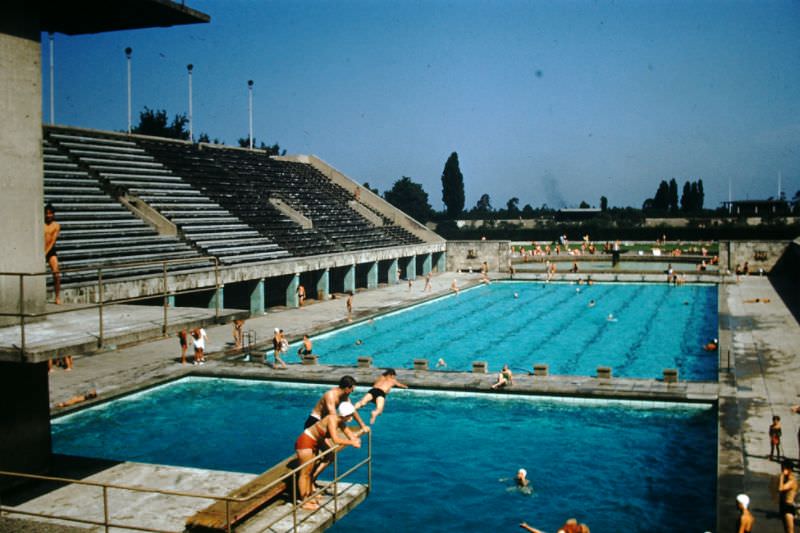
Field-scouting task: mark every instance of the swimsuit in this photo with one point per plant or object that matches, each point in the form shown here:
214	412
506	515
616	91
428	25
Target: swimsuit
307	441
52	253
376	393
305	351
182	339
310	421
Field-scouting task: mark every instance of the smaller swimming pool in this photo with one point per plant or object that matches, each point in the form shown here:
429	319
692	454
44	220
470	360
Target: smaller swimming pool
443	462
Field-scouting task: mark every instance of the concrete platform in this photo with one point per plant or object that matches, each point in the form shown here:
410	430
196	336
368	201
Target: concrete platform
75	329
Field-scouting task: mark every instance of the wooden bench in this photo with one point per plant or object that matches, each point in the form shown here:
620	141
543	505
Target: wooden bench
213	518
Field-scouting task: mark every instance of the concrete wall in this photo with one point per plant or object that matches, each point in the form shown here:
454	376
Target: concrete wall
758	254
367	197
466	255
21	174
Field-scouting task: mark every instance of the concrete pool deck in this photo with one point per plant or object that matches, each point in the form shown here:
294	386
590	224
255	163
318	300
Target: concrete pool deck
762	339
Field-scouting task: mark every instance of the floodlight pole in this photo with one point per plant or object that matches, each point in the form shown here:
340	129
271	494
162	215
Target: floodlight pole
250	107
189	67
128	52
52	82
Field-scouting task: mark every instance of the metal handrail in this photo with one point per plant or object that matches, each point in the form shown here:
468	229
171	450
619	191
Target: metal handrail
165	293
106	523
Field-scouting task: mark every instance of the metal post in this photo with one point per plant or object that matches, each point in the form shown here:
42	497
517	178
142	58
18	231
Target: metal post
101	296
369	462
22	317
189	67
166	299
250	108
228	515
335	484
52	82
294	501
128	52
216	278
105	507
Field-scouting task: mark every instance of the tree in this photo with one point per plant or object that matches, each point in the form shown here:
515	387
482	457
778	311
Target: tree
686	200
453	187
701	196
275	149
484	205
661	199
527	211
155	123
366	186
673	195
204	138
584	205
512	207
603	203
411	198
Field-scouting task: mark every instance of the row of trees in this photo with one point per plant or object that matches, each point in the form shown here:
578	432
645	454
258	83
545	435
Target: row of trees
156	123
666	198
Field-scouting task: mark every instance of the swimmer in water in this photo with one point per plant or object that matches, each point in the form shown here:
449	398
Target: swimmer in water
359	342
611	317
522	478
591	303
516	295
441	363
711	346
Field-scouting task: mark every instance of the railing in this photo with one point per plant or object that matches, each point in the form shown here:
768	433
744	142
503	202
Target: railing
164	293
107	523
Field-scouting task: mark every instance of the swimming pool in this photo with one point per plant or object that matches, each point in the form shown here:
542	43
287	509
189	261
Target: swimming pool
654	327
611	464
649	267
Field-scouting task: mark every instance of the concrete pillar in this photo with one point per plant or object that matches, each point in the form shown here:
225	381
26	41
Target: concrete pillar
350	279
427	264
291	292
372	276
411	267
323	285
441	263
24	419
21	174
392	276
218	295
258	298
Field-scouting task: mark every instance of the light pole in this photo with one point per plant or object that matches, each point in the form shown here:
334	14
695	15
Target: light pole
52	82
128	52
189	67
250	107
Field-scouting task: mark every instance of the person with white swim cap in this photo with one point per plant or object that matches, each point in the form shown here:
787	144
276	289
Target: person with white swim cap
522	478
746	519
317	438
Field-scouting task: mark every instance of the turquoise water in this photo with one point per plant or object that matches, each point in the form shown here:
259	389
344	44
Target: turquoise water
623	266
656	327
442	462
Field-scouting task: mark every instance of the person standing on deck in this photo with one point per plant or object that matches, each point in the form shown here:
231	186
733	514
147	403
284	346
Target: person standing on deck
51	231
349	305
787	488
277	345
746	519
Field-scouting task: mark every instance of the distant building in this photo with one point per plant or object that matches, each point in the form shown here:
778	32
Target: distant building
578	213
758	208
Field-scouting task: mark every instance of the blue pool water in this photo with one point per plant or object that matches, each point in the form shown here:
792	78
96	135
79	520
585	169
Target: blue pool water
442	462
656	327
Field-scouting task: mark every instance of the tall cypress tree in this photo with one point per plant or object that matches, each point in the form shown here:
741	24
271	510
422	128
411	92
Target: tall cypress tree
453	187
686	200
673	196
701	196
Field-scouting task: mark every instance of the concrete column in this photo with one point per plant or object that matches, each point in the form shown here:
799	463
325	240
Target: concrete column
24	419
21	173
392	276
291	292
350	279
217	295
427	264
258	298
441	263
372	276
411	267
323	285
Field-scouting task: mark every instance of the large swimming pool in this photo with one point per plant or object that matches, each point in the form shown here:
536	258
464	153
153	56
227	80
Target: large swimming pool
567	326
442	462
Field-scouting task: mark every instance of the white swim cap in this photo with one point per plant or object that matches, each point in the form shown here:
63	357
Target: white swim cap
346	409
522	472
277	330
744	499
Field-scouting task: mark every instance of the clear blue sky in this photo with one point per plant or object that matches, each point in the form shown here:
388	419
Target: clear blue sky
552	102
